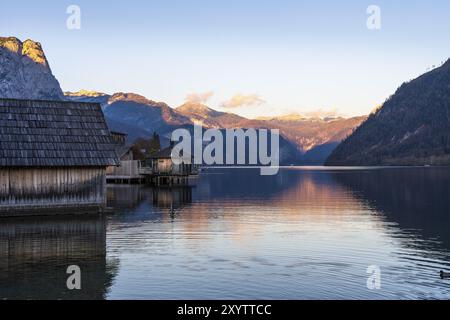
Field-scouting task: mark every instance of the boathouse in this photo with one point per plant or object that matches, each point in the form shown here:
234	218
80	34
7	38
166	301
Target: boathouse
124	152
53	157
166	172
130	169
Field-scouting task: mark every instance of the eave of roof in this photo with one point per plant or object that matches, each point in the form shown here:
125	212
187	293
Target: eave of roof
45	133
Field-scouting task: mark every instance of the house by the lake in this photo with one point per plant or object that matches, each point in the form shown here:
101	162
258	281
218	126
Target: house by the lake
130	170
53	157
166	172
145	166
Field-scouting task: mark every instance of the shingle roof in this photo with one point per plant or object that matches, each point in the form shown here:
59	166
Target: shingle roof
165	153
122	150
54	134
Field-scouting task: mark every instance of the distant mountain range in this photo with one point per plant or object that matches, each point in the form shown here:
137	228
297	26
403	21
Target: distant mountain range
311	140
26	74
209	117
411	128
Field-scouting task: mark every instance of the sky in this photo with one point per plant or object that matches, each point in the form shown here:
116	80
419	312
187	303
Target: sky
254	58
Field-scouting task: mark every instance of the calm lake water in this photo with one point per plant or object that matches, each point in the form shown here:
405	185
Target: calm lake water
303	234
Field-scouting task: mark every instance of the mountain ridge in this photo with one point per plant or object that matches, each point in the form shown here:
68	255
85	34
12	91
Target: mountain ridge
209	117
305	133
25	74
411	128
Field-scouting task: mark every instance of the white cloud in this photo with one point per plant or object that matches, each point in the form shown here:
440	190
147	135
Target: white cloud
240	100
199	97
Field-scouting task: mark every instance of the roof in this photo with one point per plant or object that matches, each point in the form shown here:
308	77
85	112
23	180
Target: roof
54	134
122	150
119	133
165	153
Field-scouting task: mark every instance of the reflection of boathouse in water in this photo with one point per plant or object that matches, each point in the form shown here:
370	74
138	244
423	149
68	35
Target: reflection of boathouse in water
35	255
172	198
131	198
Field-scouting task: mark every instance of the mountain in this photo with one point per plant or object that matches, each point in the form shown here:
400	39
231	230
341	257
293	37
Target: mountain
198	111
133	132
287	117
318	154
84	94
313	138
144	114
305	140
25	72
133	114
88	96
309	133
210	118
411	128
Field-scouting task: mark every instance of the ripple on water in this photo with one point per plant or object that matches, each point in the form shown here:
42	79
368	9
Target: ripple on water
304	234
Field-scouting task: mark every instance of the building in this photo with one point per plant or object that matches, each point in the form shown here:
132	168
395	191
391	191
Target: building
119	138
130	169
165	172
53	157
123	151
139	165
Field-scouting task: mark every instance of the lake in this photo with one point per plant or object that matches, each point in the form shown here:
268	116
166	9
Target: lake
307	233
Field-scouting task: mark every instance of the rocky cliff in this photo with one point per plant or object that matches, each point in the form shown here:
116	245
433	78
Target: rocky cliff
25	72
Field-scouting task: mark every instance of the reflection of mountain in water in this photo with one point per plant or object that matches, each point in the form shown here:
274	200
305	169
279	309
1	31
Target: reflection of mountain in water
241	184
415	198
126	196
35	254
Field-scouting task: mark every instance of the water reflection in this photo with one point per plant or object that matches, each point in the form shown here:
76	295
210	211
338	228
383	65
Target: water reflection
172	198
301	234
126	197
305	233
35	254
416	199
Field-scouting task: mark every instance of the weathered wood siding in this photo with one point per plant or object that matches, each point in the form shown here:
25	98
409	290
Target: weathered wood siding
163	166
35	188
127	169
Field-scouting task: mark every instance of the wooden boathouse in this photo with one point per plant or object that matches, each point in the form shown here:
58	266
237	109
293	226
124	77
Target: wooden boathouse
130	170
166	172
53	157
157	169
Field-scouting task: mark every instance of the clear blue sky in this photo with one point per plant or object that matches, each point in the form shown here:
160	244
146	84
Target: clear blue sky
295	55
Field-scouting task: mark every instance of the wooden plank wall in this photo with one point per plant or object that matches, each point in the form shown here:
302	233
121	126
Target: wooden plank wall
48	187
128	168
